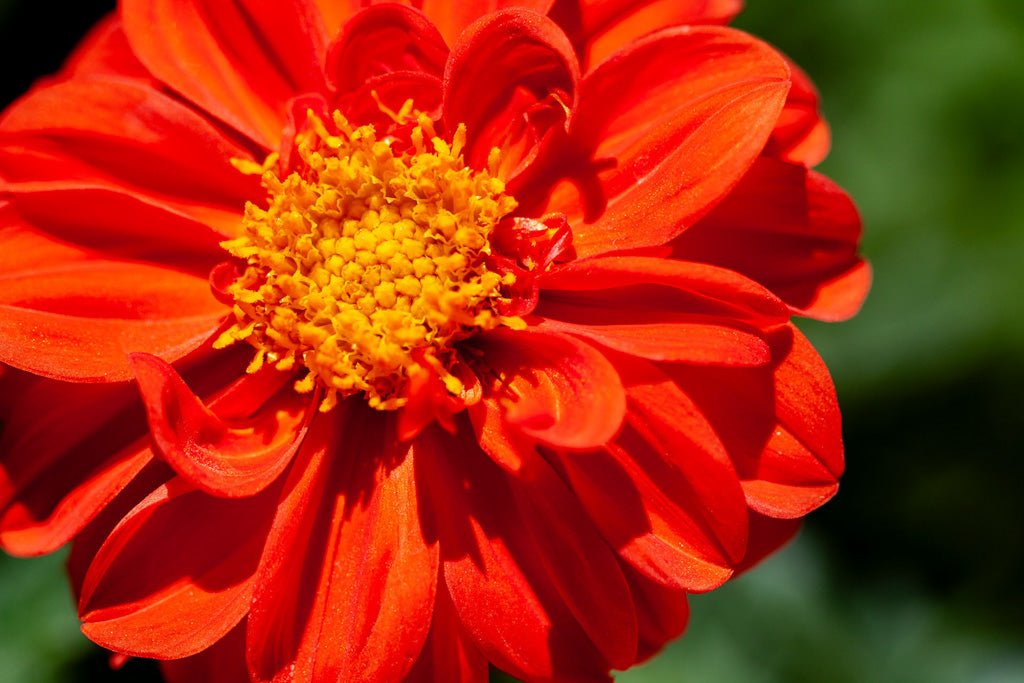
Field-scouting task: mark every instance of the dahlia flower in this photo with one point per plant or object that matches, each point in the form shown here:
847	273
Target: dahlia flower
357	341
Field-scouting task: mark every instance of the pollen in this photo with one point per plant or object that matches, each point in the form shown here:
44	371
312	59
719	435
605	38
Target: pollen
369	258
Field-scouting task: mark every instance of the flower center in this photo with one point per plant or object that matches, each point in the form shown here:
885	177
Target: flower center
368	259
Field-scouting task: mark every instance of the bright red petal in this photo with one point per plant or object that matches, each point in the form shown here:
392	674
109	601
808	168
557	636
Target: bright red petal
781	425
553	387
78	321
665	129
222	662
665	494
346	585
792	230
385	39
499	580
224	458
176	575
240	61
105	50
600	27
448	655
511	79
801	135
661	309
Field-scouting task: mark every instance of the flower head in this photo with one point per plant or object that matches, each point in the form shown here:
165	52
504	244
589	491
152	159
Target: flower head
379	341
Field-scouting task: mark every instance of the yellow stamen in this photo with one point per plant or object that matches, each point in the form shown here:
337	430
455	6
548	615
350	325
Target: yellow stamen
367	262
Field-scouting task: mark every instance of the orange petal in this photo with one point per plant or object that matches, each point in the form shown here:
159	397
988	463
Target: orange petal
792	230
347	582
554	388
511	79
123	136
231	458
78	321
497	575
179	553
240	61
780	424
665	129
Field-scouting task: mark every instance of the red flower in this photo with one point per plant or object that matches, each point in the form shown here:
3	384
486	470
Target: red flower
495	366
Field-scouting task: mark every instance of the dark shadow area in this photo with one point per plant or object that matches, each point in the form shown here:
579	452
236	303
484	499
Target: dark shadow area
931	495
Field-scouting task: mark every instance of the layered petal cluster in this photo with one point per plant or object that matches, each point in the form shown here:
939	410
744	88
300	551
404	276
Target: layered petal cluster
637	420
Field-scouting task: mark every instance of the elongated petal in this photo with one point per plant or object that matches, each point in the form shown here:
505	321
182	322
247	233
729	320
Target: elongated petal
665	493
662	612
665	129
385	39
693	287
176	575
661	309
679	341
560	390
578	562
448	655
506	601
511	79
223	458
600	27
794	231
123	136
222	662
105	50
24	248
78	322
801	135
780	424
240	61
347	581
452	18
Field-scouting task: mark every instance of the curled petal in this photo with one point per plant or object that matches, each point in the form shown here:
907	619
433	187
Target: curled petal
384	39
223	458
665	129
554	388
178	554
511	79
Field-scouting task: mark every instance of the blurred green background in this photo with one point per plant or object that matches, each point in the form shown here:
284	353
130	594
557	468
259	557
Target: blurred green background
913	573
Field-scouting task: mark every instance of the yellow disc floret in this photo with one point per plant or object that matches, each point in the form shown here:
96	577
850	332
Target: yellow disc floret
368	260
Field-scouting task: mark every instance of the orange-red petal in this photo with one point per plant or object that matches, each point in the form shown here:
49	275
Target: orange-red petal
665	128
552	387
794	231
79	321
180	553
346	585
240	61
511	79
232	458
